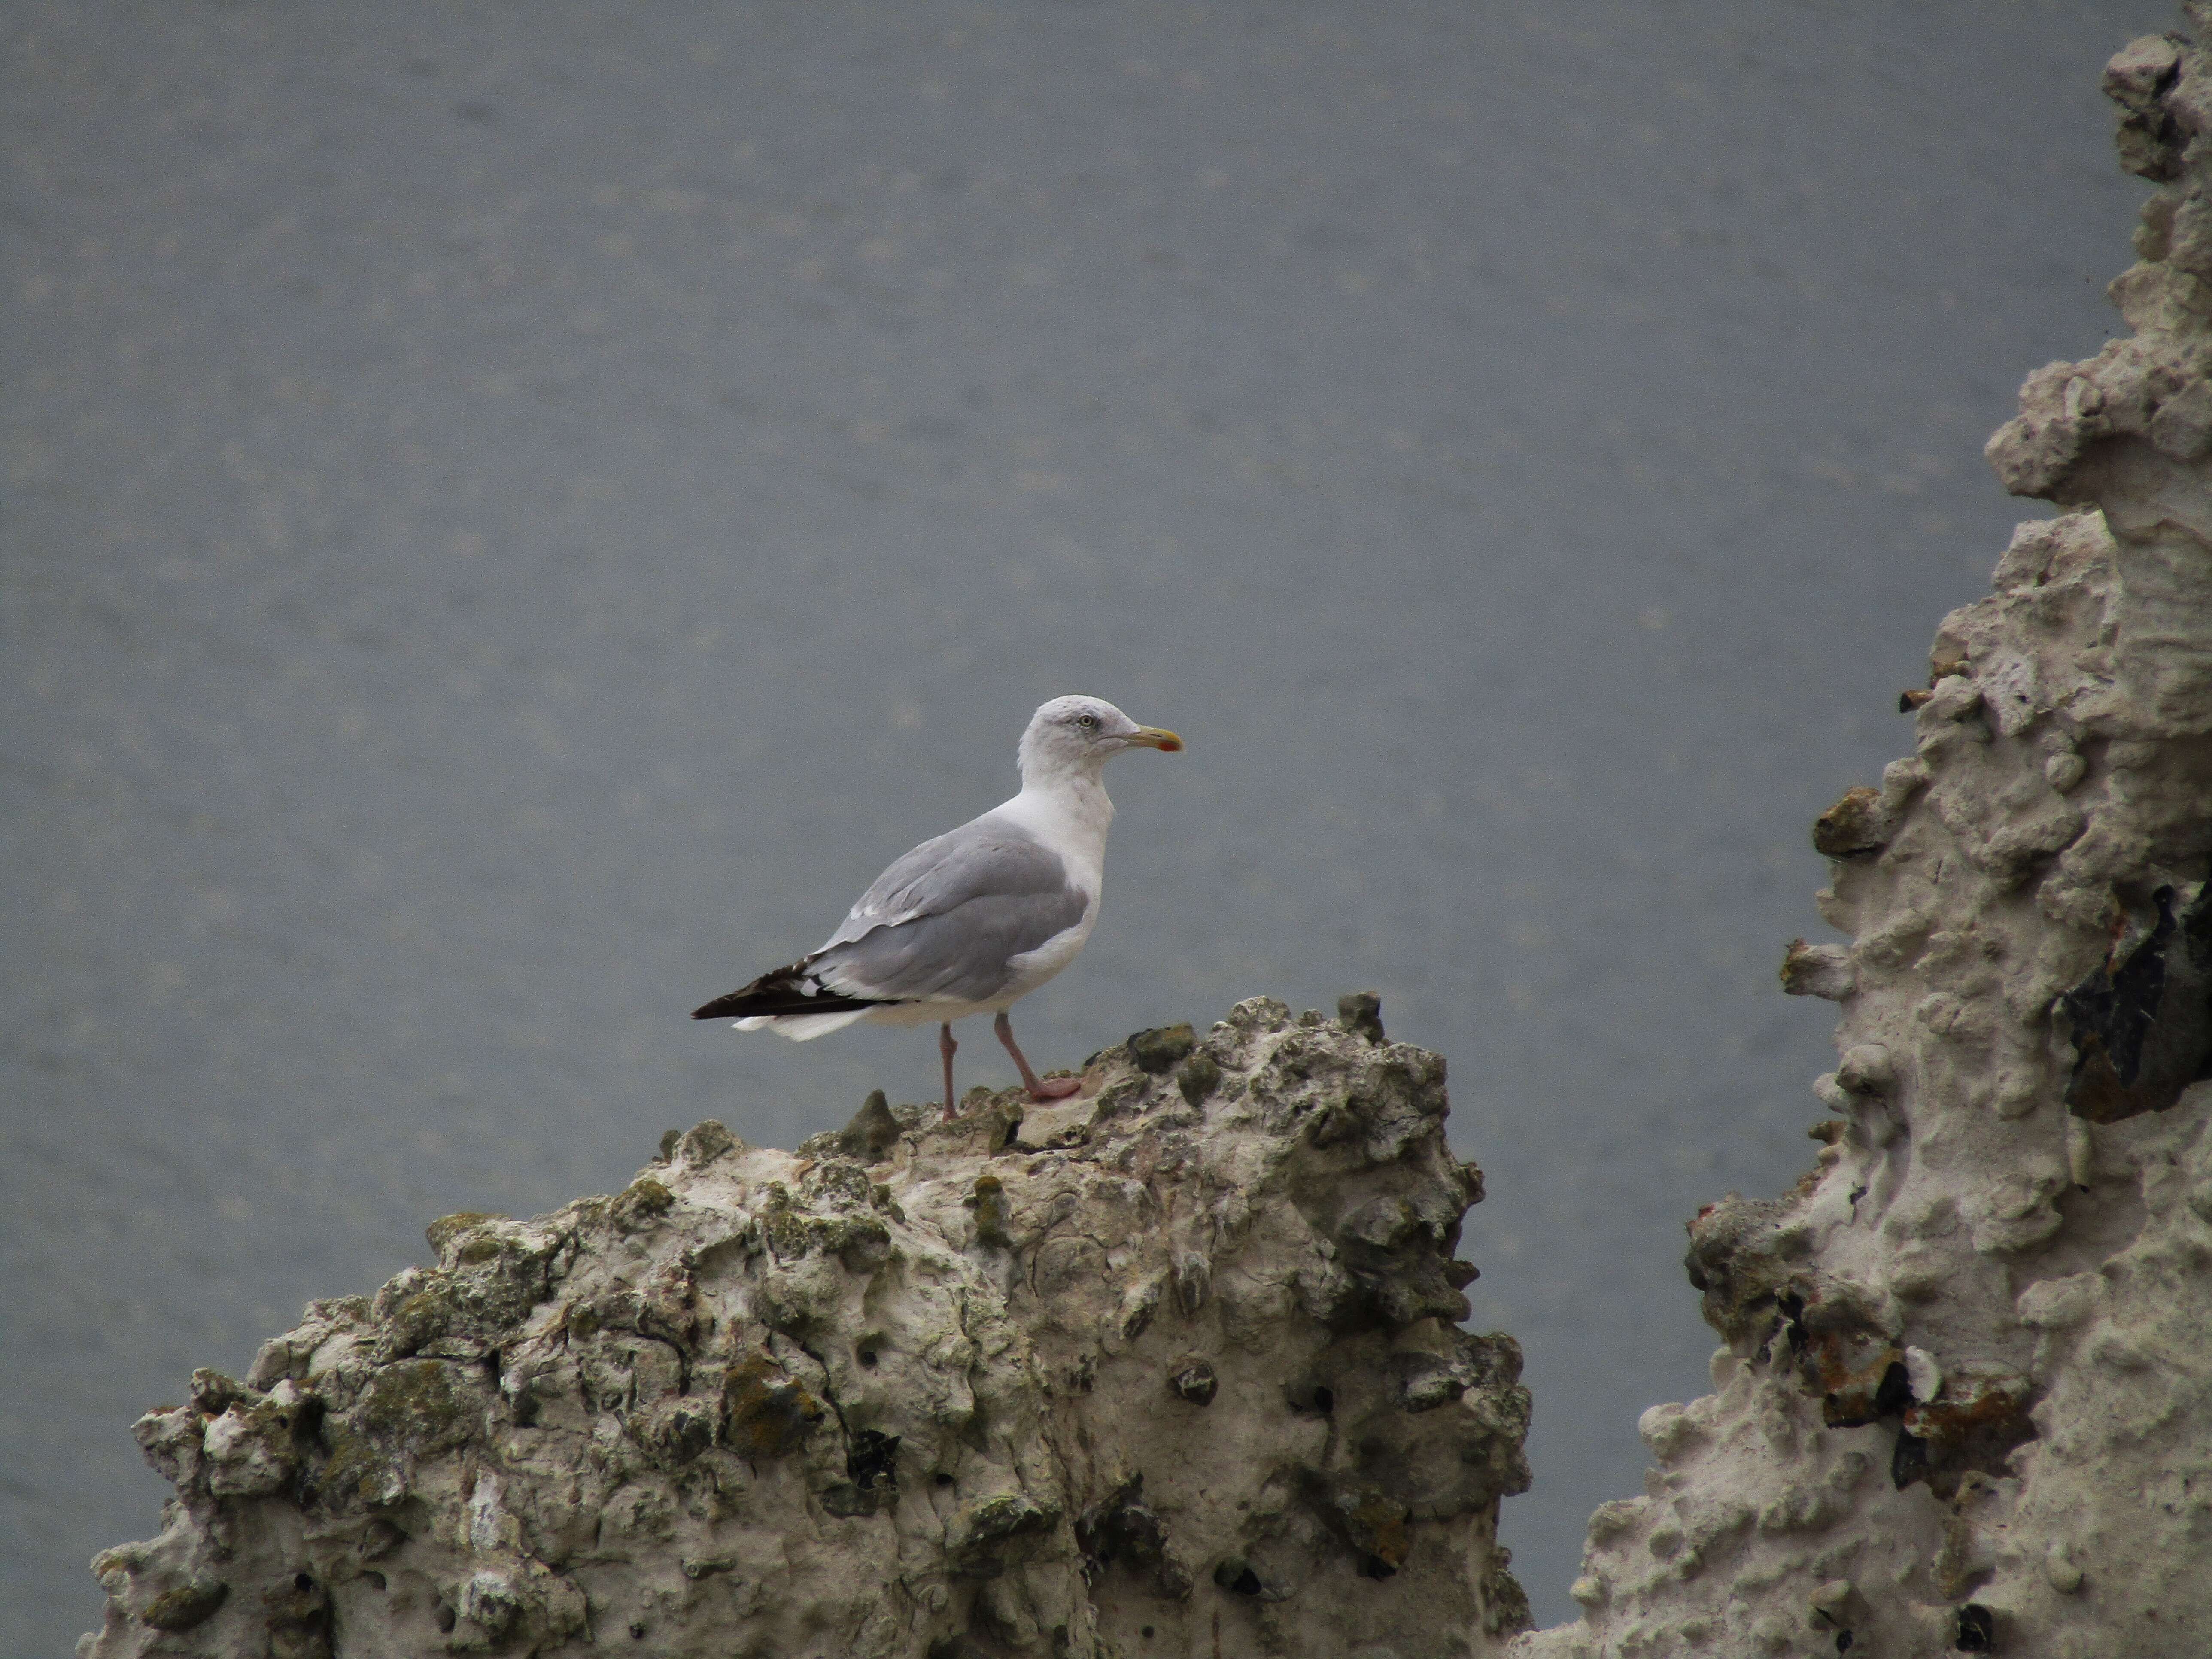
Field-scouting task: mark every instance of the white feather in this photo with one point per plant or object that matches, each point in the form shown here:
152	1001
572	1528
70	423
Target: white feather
803	1028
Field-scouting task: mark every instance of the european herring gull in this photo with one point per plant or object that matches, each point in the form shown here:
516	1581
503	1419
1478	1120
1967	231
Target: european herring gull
979	917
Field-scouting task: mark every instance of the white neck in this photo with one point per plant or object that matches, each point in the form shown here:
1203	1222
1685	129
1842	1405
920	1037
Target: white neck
1068	811
1079	797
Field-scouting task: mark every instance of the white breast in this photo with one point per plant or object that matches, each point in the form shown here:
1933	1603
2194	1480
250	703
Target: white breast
1033	967
1070	818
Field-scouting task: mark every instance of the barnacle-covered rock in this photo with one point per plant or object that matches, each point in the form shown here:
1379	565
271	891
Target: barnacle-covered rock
1961	1403
1011	1385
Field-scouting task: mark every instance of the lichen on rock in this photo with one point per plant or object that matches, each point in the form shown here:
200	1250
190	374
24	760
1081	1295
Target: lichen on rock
1964	1402
1172	1366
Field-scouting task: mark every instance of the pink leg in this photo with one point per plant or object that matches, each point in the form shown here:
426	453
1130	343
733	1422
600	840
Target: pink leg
946	1046
1059	1089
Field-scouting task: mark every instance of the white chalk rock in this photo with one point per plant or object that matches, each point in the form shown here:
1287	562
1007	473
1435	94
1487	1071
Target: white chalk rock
1172	1366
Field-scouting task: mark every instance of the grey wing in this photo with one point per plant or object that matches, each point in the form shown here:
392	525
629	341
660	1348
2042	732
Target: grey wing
946	920
964	955
984	857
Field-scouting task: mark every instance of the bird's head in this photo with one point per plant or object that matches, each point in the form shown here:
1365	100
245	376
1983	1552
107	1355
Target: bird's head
1079	735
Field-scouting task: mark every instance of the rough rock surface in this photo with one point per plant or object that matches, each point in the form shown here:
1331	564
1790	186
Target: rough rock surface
1965	1401
1173	1367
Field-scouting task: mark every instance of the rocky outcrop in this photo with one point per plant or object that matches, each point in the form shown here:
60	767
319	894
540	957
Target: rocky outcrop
1965	1403
1172	1367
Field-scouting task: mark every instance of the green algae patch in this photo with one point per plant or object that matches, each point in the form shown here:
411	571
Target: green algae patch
988	1200
782	1228
411	1410
414	1321
861	1241
642	1204
446	1227
582	1321
766	1413
1159	1051
185	1608
704	1142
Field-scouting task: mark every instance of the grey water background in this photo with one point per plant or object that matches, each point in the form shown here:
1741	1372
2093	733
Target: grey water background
514	514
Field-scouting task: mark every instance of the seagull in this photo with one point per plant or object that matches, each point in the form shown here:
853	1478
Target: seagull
977	918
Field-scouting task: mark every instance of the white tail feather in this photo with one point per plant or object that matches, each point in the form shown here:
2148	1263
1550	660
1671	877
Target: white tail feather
802	1028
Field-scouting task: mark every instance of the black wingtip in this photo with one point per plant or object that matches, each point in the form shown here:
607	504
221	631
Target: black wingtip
779	993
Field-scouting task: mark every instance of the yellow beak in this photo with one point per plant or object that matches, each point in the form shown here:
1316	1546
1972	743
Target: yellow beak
1154	736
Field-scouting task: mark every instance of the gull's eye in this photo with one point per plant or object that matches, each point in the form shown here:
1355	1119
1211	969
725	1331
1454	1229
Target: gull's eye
1088	722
